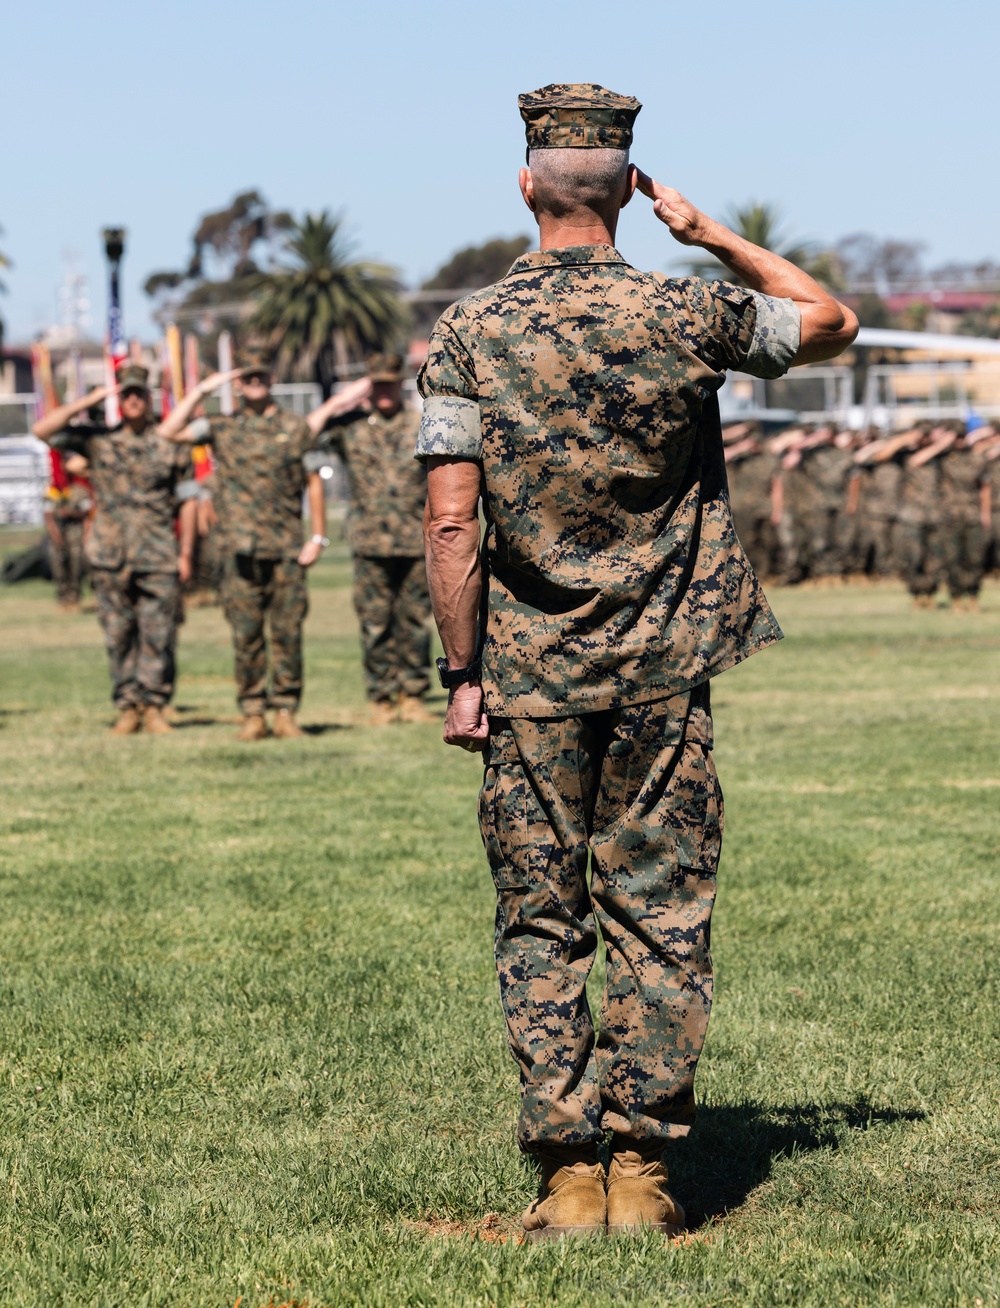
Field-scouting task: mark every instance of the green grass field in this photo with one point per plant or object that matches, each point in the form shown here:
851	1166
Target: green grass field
250	1040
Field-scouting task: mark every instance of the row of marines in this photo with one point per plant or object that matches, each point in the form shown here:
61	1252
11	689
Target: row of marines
141	541
816	503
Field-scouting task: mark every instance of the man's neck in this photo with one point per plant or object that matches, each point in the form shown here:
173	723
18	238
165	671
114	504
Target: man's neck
258	406
135	425
562	233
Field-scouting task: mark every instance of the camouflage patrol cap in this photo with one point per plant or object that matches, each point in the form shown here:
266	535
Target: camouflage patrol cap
385	367
133	377
254	358
580	115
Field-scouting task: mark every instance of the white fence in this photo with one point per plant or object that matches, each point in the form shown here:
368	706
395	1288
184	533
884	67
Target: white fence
24	479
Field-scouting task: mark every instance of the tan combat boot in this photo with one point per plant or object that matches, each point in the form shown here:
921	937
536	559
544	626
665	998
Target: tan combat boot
285	726
154	722
129	721
383	712
254	728
413	709
571	1197
638	1198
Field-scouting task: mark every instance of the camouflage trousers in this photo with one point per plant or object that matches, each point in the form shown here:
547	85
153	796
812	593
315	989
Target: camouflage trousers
814	543
206	566
272	590
635	790
68	566
138	612
964	556
394	608
878	546
921	551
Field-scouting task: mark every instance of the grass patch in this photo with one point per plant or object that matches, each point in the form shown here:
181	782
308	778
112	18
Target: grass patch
250	1041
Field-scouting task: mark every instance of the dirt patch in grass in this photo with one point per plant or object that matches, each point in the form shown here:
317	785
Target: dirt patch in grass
491	1229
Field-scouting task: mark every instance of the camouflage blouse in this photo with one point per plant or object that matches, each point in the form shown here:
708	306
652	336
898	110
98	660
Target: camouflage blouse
587	390
388	489
259	479
138	483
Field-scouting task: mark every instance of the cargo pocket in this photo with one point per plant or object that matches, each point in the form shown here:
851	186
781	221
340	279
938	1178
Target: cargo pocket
696	808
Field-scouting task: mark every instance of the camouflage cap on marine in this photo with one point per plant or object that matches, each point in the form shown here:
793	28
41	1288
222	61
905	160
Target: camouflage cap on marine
580	115
133	377
254	358
385	367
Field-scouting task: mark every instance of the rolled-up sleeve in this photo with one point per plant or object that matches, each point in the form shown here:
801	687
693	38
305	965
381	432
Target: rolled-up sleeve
776	336
450	426
200	430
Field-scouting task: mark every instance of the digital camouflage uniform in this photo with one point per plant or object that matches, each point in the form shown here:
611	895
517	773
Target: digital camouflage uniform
614	589
258	484
963	473
830	471
138	482
814	530
70	509
385	528
878	516
921	543
750	476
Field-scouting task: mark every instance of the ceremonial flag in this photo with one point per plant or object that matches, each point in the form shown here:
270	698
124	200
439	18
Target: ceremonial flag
226	365
173	343
166	388
192	362
41	375
45	402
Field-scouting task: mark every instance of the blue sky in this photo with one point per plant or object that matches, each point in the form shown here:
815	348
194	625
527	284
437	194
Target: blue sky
878	116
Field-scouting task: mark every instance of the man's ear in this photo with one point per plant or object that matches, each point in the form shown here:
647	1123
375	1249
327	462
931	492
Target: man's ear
631	182
527	188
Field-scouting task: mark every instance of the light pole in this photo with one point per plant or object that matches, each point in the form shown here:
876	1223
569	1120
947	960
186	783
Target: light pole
115	348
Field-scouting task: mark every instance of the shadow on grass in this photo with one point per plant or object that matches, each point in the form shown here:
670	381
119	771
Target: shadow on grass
734	1147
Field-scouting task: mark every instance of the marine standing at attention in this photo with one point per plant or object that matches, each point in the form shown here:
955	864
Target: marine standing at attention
578	396
374	432
136	568
259	481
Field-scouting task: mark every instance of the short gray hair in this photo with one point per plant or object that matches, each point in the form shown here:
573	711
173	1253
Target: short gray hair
566	180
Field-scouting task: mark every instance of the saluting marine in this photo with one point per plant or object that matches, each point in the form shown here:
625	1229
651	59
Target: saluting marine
578	398
140	480
260	476
374	433
966	512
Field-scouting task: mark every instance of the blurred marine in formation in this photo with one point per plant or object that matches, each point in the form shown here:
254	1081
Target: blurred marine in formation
67	509
578	397
374	433
260	475
139	481
752	469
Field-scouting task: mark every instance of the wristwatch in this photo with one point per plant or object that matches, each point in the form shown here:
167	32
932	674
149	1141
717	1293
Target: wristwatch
452	677
319	540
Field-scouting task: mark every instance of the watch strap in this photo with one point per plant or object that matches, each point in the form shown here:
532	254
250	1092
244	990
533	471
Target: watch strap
452	677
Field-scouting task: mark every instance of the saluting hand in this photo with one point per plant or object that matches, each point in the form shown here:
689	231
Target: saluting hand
216	379
687	224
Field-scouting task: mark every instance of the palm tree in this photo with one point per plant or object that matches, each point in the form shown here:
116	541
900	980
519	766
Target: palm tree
760	224
4	263
323	309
